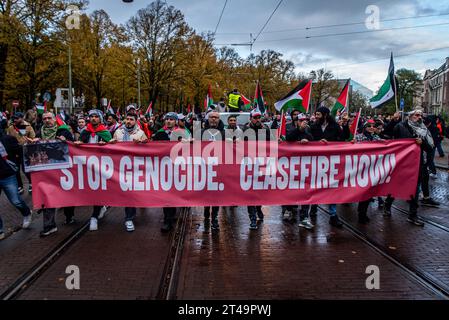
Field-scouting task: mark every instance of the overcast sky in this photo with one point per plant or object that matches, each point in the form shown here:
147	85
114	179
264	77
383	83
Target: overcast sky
362	56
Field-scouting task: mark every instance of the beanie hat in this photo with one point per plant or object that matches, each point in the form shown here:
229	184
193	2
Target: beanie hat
323	110
171	115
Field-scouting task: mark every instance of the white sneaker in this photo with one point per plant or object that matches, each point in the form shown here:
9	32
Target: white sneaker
2	235
93	224
102	212
306	224
129	226
26	221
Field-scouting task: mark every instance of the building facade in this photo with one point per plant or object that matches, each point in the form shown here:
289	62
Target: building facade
436	90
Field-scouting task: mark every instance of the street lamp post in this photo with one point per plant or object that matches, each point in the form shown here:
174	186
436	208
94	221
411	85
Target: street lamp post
70	81
138	81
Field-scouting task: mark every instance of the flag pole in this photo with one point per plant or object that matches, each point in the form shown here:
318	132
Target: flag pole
280	127
357	124
347	96
394	83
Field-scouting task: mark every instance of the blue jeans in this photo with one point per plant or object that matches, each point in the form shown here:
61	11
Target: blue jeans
9	185
333	210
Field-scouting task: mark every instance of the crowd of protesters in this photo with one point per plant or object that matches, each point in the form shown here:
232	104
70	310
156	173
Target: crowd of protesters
105	128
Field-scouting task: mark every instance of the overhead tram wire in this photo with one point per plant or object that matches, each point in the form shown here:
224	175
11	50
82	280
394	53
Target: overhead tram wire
388	58
337	25
221	15
349	33
269	18
356	23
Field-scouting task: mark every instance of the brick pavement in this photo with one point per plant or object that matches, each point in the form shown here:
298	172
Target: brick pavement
439	187
425	247
443	161
281	261
24	248
113	263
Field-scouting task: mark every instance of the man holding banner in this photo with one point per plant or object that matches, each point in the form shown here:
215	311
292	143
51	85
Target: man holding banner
130	131
164	134
326	129
95	132
255	124
413	127
51	131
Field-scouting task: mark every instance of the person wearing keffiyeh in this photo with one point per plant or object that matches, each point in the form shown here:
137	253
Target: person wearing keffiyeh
130	131
165	134
95	132
413	127
53	129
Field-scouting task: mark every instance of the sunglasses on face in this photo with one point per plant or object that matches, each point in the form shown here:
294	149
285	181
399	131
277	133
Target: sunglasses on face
47	118
256	117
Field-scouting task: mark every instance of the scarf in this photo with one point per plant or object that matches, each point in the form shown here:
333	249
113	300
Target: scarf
78	129
421	131
100	131
127	132
49	133
113	127
167	130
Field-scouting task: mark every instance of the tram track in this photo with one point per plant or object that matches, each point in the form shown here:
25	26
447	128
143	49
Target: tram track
421	276
24	281
168	279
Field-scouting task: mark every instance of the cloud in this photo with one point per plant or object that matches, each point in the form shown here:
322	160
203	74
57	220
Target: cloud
245	17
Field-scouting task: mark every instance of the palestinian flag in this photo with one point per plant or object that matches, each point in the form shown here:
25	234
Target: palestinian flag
246	103
282	130
41	108
150	109
208	101
109	109
258	98
354	126
100	131
118	113
388	90
342	101
298	98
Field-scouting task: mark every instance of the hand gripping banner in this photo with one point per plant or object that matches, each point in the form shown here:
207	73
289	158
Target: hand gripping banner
183	174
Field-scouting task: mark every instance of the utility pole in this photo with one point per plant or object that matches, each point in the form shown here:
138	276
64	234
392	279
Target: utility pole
70	81
138	81
251	42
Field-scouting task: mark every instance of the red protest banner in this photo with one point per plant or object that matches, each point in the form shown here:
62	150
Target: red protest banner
171	174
